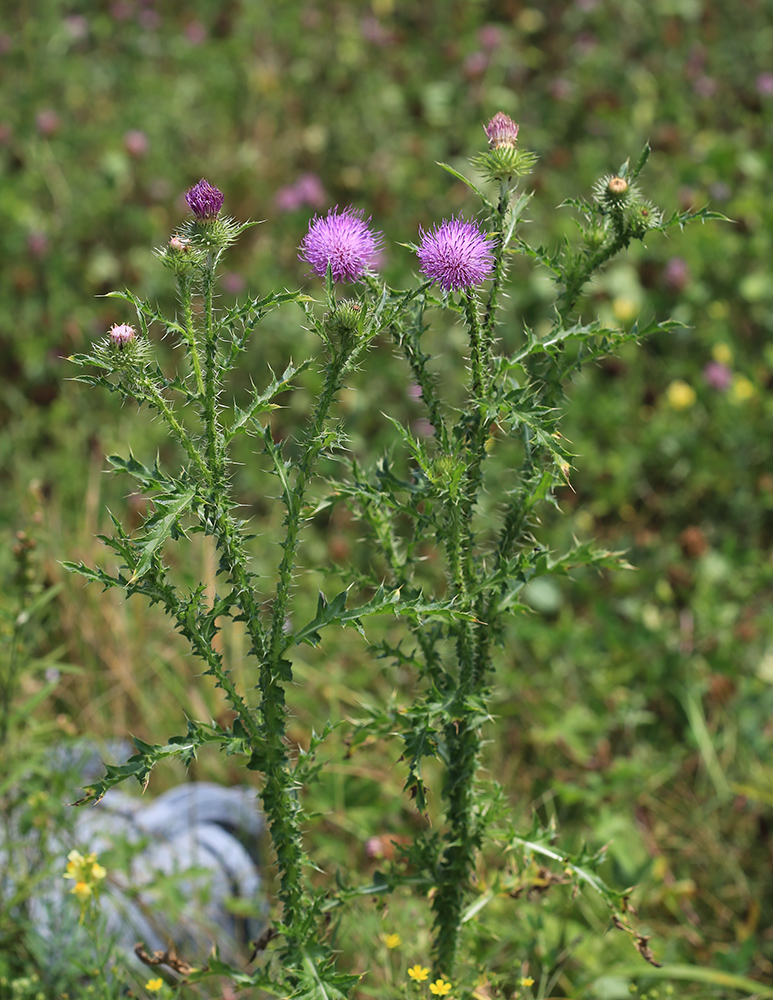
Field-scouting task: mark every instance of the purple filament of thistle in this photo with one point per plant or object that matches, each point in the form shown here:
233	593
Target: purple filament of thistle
456	254
343	241
204	200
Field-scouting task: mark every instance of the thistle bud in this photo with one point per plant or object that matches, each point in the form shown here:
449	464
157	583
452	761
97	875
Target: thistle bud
205	201
613	192
343	323
502	131
121	335
503	159
641	217
617	187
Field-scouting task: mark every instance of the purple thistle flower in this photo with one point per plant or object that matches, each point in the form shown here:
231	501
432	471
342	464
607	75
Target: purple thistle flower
456	254
204	200
342	240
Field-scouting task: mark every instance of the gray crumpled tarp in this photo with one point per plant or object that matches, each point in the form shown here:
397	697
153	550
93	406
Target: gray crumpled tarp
193	851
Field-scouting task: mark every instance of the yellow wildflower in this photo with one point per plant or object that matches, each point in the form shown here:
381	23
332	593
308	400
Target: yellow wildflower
87	873
82	890
624	308
680	395
440	987
392	940
84	869
418	973
526	981
722	353
154	985
742	389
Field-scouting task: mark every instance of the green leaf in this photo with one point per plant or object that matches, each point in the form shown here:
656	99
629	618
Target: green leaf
262	402
698	974
162	525
150	479
465	180
335	612
320	981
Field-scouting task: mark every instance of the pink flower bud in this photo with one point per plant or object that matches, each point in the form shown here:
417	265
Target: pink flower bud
121	335
502	131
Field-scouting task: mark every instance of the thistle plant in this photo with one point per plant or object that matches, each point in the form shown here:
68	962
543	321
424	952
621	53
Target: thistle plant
503	413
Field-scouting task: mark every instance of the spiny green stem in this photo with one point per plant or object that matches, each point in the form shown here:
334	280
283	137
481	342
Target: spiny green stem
382	528
279	793
214	458
177	429
480	356
185	291
458	859
490	315
311	448
235	560
575	282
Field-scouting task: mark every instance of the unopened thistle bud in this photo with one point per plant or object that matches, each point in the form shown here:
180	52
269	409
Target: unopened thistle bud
503	159
642	216
502	131
121	335
613	192
342	323
205	201
617	186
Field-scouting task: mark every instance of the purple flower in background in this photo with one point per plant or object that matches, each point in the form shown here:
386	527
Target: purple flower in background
676	274
310	190
136	143
204	200
234	282
288	198
475	65
344	241
47	121
491	37
196	33
718	376
765	84
307	190
705	86
456	254
37	243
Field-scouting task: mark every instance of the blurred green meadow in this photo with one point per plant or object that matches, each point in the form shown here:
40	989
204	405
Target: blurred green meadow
634	708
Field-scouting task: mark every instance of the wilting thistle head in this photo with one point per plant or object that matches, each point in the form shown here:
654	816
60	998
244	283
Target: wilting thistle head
343	241
456	254
502	131
121	335
204	200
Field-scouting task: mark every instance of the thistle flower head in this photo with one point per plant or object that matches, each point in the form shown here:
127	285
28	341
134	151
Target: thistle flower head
204	200
456	254
121	335
343	241
502	131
